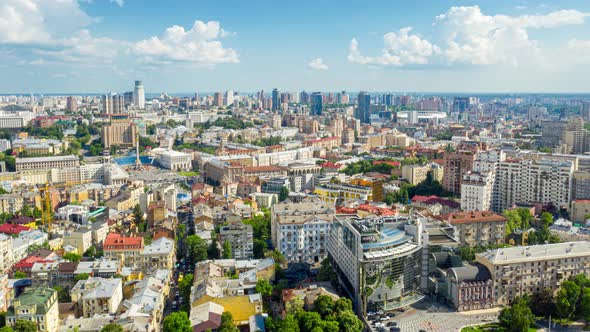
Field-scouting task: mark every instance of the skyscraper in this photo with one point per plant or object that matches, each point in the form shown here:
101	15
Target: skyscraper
229	97
304	97
218	99
107	104
71	104
275	99
118	104
316	103
139	95
363	107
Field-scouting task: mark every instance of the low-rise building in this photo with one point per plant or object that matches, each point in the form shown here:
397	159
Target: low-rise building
580	210
174	160
517	271
160	254
98	295
125	249
38	305
474	228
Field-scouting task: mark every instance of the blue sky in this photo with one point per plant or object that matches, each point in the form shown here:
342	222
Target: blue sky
183	46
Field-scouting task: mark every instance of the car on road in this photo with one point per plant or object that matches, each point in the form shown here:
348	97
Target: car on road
174	304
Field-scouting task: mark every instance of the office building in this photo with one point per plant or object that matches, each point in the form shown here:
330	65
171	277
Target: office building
139	95
275	99
317	102
585	111
43	163
174	160
379	263
460	104
363	110
121	132
218	99
519	271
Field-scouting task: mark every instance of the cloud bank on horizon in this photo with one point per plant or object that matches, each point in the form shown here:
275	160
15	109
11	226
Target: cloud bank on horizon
42	33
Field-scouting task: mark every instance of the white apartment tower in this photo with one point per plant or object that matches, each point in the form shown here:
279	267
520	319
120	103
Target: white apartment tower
139	95
476	191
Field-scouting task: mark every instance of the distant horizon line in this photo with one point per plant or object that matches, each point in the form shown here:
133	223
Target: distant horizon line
492	93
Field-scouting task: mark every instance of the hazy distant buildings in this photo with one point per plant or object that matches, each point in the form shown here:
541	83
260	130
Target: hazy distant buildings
218	99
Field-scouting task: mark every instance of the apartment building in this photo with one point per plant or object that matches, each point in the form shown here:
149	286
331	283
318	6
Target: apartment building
477	227
456	164
528	181
300	230
98	296
517	271
338	192
476	191
240	237
125	249
6	254
160	254
415	174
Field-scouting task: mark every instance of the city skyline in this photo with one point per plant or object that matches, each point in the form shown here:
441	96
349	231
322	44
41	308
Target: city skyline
101	46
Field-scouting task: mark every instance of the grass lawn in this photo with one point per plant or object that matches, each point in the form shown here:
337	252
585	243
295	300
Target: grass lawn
188	174
493	327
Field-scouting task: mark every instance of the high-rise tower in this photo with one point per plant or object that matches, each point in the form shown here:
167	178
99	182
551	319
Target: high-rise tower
139	95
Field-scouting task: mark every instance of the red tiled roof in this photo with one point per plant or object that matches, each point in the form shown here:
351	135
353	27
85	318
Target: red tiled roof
392	163
329	164
116	241
435	199
11	229
27	262
256	169
472	216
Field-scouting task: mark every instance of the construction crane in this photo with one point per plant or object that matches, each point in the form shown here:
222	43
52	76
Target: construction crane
46	209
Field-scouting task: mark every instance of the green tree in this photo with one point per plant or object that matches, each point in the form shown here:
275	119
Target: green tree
259	248
584	309
327	273
19	275
6	329
227	252
63	294
342	304
283	194
81	276
566	300
324	305
263	287
542	303
112	327
289	324
513	221
227	323
184	287
309	321
518	317
22	325
196	249
526	217
72	257
213	249
349	322
177	322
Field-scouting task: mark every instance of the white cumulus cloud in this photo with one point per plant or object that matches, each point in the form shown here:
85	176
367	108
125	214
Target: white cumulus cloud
200	45
465	35
317	64
400	48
